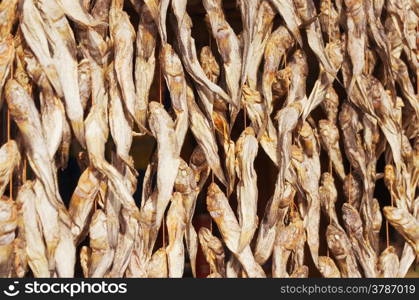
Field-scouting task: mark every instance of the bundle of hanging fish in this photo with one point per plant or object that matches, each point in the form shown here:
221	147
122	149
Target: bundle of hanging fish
80	73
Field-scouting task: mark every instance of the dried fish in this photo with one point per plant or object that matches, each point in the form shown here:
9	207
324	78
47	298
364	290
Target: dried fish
8	17
328	268
213	251
247	191
176	223
341	248
175	79
278	44
365	254
307	12
205	137
9	160
288	12
261	34
286	242
123	35
405	224
36	38
82	200
163	129
330	139
7	52
101	255
229	49
157	267
188	50
388	263
273	219
35	247
25	114
223	215
75	11
145	63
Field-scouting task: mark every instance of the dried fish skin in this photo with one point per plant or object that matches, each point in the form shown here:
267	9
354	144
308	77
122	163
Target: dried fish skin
405	224
247	191
9	160
327	267
388	263
176	224
26	116
213	251
35	247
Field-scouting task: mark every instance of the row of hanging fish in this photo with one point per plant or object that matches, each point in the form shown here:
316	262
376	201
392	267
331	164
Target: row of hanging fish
79	72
